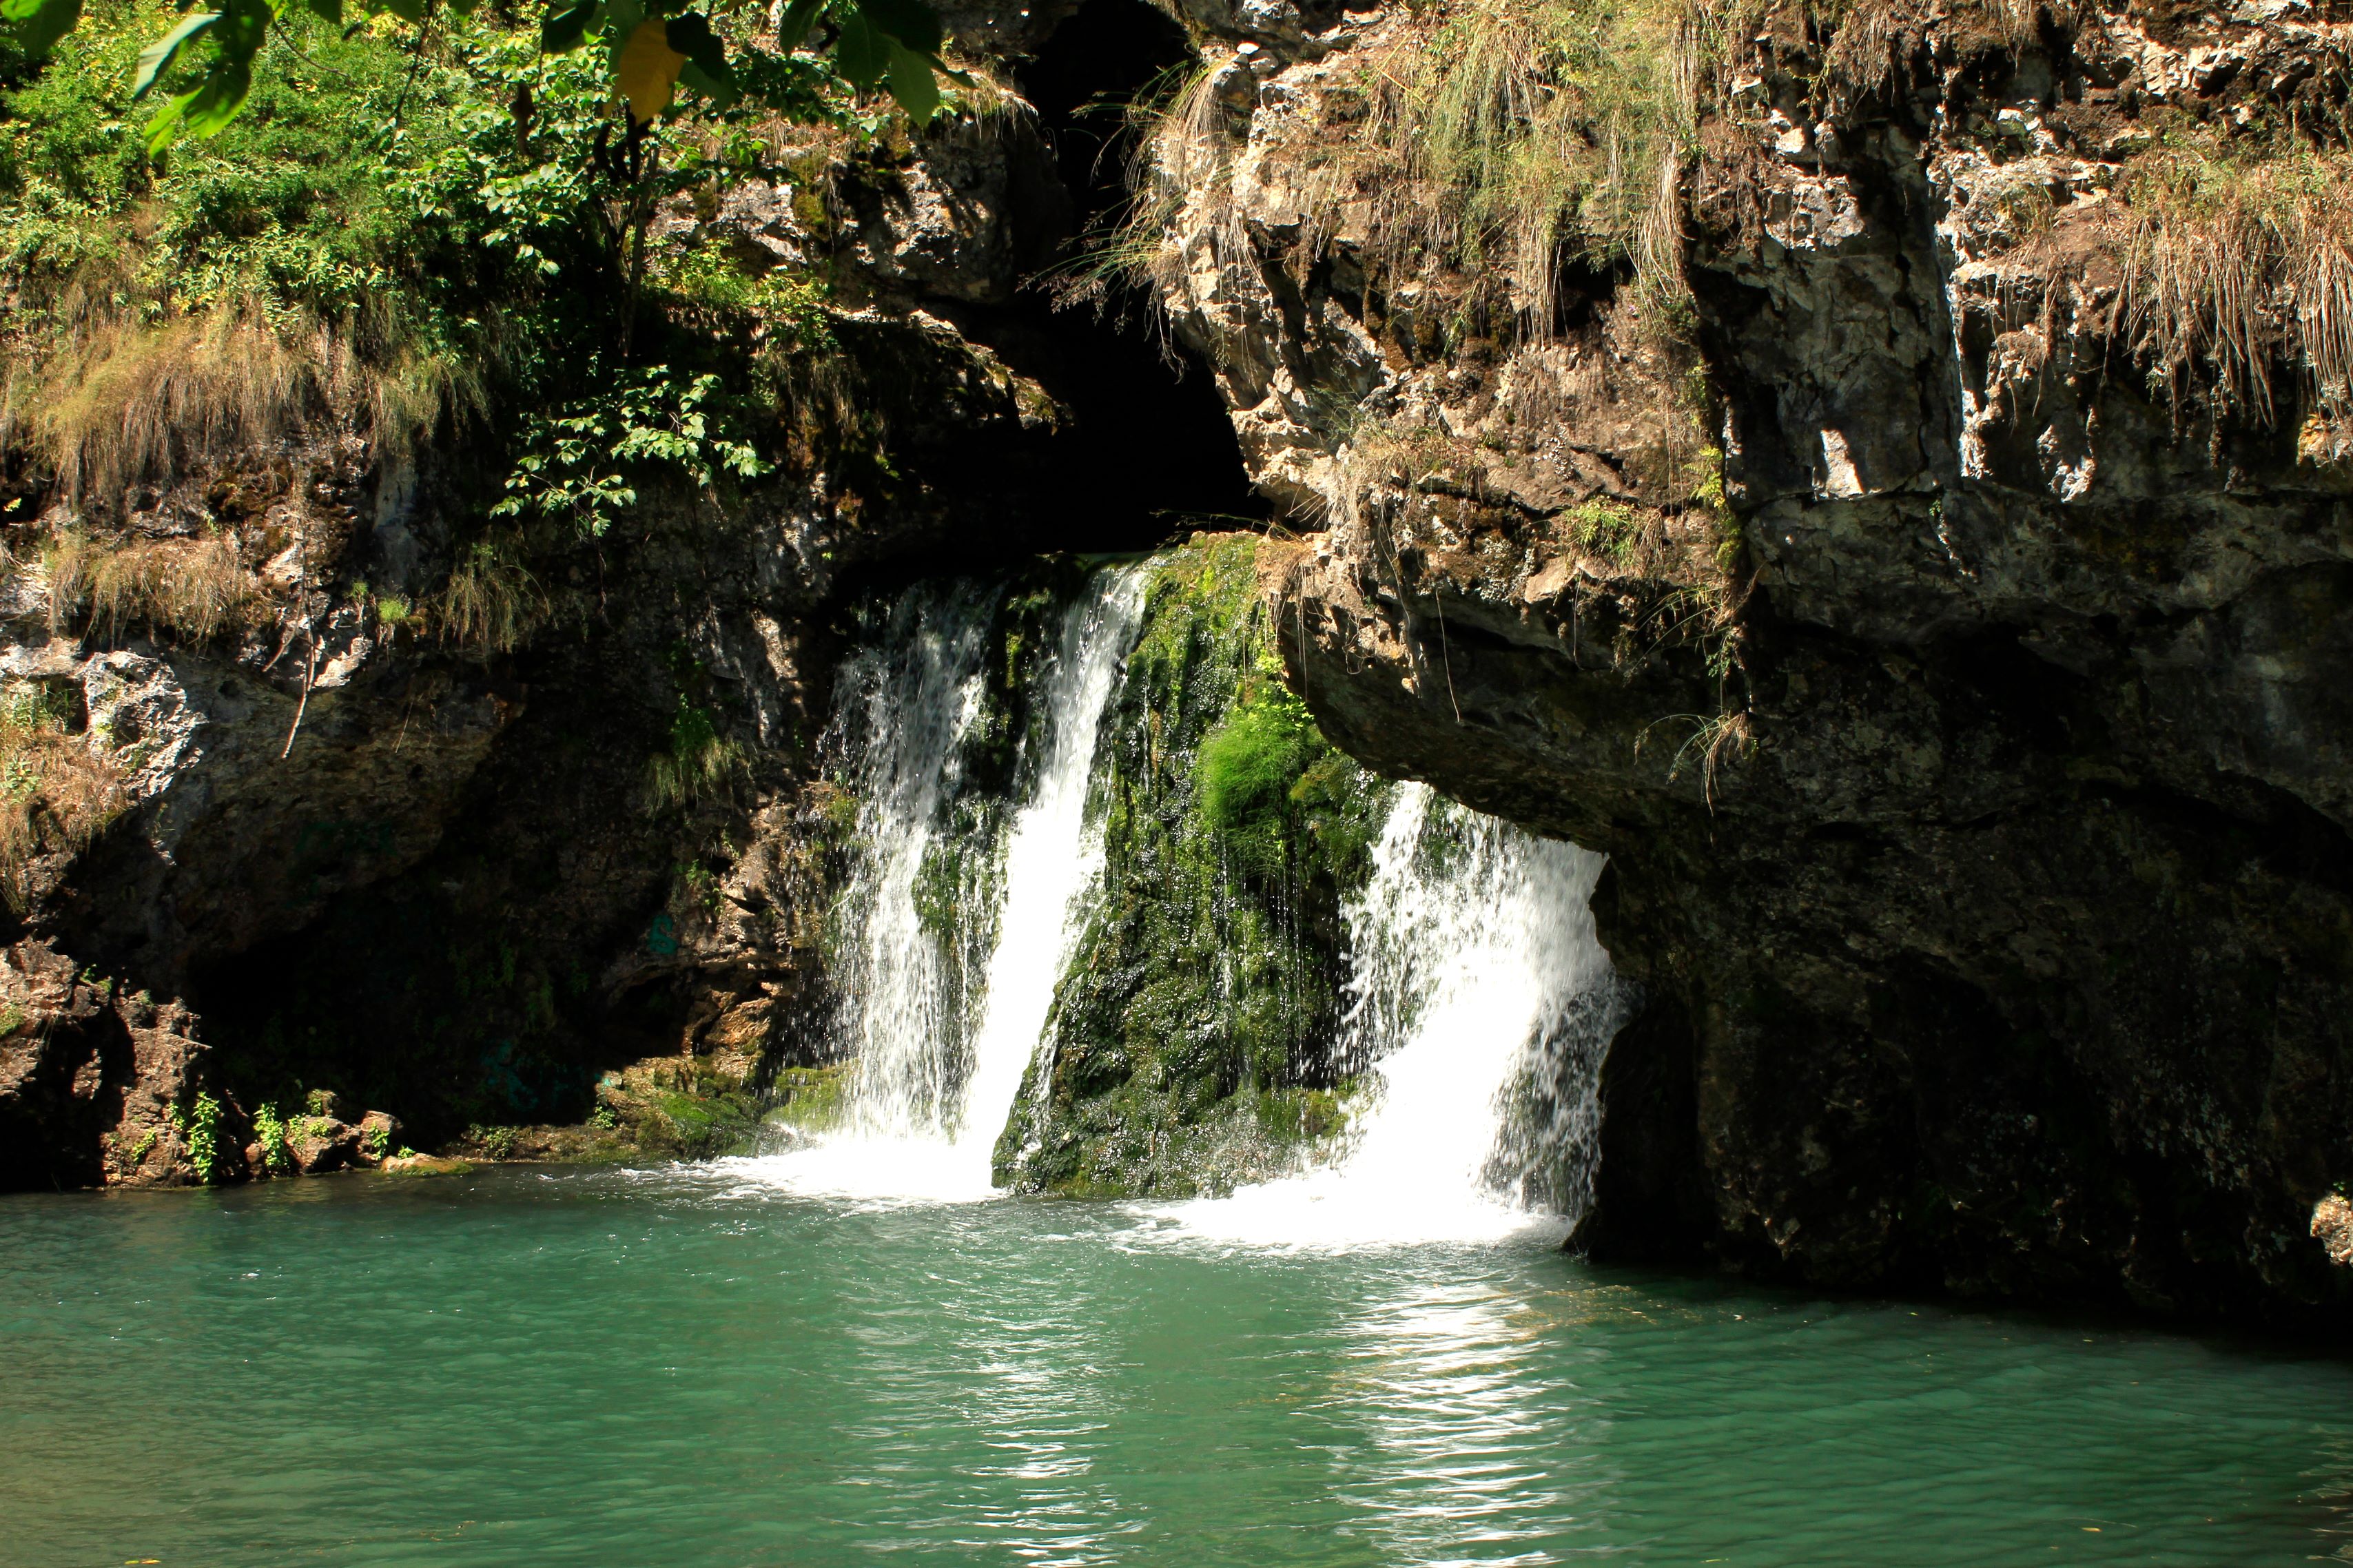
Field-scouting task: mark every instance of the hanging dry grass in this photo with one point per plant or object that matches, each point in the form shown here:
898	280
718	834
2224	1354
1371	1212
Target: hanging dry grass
2234	268
195	588
110	402
56	795
491	604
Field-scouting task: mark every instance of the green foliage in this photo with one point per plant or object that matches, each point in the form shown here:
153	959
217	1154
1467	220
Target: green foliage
206	63
376	1140
202	1135
573	463
269	1131
699	759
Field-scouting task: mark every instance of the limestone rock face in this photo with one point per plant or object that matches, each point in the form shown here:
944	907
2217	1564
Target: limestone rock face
1980	829
91	1084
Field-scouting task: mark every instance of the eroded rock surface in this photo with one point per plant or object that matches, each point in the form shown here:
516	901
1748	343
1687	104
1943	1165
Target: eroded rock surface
1979	831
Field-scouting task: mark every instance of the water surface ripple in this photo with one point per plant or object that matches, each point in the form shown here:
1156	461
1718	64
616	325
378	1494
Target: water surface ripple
683	1368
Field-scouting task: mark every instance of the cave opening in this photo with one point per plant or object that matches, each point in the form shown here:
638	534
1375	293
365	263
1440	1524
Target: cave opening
1152	453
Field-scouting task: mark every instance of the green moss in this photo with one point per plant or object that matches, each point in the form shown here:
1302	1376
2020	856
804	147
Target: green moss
812	1100
1193	1030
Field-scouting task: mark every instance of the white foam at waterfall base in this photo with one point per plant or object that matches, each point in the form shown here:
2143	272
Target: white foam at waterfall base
1475	971
907	1141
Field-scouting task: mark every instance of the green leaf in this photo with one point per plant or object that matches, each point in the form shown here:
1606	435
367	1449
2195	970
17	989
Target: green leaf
911	82
695	38
799	18
565	28
721	90
861	52
157	56
203	111
236	32
328	11
912	22
41	23
410	11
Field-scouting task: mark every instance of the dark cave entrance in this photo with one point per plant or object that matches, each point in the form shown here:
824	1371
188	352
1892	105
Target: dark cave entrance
1153	455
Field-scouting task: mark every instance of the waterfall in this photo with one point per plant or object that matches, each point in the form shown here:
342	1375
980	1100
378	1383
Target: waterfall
941	1021
1483	1000
1472	1015
908	703
1051	859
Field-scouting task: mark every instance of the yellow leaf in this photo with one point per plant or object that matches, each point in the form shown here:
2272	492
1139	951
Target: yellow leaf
648	70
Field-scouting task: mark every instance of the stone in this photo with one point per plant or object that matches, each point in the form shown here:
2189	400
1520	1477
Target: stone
2332	1226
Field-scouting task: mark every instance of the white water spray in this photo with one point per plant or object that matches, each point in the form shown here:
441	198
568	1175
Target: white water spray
1483	999
942	1040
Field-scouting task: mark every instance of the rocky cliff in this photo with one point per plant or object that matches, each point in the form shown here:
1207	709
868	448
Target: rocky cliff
1915	549
1877	471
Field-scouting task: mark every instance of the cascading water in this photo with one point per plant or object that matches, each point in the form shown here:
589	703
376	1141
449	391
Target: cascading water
904	1011
1483	1000
1477	1000
943	1023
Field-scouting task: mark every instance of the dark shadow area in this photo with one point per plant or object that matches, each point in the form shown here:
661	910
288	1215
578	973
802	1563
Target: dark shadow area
1151	451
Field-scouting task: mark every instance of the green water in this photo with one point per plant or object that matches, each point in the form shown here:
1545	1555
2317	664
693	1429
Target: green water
682	1369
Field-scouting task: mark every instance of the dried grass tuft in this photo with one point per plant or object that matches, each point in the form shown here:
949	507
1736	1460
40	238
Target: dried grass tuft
2234	266
491	603
55	794
113	402
196	588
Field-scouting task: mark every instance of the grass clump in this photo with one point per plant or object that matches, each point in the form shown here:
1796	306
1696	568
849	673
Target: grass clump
56	793
1610	528
699	759
491	603
198	589
2237	262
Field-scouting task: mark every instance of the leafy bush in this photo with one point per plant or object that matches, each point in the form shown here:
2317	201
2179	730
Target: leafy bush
270	1132
203	1133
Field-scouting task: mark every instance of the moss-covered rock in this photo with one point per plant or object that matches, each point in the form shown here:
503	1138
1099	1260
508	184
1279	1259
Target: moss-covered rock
1193	1038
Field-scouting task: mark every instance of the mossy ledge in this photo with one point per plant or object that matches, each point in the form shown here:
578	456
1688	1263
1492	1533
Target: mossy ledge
1195	1041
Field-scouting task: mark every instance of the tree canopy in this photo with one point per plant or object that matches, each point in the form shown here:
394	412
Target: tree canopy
202	67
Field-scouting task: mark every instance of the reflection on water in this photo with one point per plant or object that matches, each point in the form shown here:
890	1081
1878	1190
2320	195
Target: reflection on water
1454	1402
687	1368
